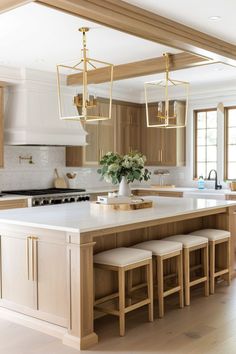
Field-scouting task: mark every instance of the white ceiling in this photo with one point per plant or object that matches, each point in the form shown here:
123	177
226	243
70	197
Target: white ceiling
39	37
196	13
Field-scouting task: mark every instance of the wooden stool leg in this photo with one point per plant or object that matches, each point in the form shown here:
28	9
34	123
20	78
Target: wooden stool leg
187	276
212	266
150	290
206	270
121	277
229	261
179	260
129	285
160	286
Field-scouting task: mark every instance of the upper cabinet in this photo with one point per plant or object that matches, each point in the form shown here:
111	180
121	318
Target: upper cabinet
128	127
127	131
100	139
162	146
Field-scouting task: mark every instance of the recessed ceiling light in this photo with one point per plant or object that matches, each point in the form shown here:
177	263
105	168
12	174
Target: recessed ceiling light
214	18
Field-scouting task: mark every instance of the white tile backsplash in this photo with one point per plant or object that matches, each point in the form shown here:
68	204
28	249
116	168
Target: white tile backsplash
40	174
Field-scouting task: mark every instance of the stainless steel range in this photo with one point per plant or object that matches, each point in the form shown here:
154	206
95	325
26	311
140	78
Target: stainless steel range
52	196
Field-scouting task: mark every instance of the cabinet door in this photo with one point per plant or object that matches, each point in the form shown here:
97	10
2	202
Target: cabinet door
134	128
106	133
151	139
17	284
122	129
51	277
91	151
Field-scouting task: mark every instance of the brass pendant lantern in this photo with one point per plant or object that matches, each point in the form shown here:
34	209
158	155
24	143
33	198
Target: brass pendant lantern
79	102
167	111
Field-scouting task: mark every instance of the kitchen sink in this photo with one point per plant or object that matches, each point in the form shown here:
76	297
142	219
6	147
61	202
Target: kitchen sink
206	193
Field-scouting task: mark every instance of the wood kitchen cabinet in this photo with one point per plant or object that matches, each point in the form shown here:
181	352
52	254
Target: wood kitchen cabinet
127	131
15	269
100	139
163	147
128	127
153	192
35	282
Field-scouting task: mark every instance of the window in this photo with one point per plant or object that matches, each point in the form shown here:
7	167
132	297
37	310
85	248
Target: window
205	141
230	153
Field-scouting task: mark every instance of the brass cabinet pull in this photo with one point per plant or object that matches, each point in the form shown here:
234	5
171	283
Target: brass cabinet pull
161	154
35	258
27	257
32	257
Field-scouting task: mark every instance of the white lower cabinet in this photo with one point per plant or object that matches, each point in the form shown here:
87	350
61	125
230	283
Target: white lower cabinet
33	276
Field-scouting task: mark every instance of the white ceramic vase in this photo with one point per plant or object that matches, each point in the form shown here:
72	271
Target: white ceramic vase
124	188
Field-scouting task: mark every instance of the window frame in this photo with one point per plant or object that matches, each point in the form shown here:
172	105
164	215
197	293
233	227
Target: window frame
226	139
195	113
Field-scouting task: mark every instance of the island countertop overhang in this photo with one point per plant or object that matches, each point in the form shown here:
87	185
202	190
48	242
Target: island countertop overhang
81	218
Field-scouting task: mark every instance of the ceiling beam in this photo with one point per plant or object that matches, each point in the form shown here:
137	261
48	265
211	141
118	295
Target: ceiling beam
140	68
6	5
131	19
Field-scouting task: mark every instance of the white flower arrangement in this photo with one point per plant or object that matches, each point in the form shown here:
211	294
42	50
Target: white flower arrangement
115	166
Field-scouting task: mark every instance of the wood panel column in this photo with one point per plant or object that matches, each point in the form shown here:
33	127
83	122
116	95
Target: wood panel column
81	333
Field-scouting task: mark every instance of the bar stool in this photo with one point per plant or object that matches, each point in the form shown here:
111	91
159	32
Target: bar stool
222	238
190	244
122	260
161	251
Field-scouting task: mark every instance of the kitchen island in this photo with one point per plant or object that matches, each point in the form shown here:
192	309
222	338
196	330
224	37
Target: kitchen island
47	278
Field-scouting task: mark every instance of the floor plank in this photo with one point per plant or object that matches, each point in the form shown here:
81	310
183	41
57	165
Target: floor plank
206	327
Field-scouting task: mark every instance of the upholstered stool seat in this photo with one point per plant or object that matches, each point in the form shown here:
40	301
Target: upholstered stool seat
188	240
159	247
223	266
192	243
121	257
211	234
122	260
163	250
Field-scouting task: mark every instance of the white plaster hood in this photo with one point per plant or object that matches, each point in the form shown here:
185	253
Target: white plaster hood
31	113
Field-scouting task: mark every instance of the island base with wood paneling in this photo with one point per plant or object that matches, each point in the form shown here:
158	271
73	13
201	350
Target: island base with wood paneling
47	272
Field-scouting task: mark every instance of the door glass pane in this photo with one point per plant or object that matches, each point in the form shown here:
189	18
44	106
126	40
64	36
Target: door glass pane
201	153
201	169
201	137
211	153
232	153
201	120
232	136
211	166
211	136
211	119
232	117
232	170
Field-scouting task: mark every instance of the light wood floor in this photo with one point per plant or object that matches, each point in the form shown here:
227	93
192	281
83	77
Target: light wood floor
208	326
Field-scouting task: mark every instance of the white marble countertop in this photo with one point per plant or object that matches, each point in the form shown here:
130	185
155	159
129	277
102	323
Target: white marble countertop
110	188
80	217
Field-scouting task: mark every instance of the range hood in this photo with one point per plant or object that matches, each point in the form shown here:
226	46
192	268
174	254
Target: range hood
31	116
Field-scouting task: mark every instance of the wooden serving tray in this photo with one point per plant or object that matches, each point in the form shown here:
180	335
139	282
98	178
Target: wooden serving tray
142	204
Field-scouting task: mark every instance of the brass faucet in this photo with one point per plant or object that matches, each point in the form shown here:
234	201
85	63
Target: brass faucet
29	159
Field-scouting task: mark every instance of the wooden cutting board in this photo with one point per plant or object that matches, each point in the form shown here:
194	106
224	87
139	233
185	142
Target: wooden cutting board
143	204
59	182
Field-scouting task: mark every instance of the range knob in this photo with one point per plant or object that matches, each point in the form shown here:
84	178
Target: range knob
36	202
87	197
